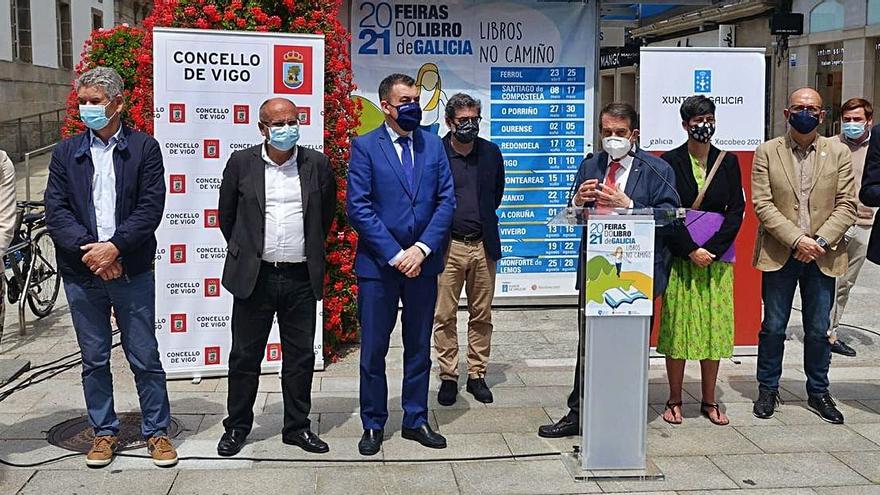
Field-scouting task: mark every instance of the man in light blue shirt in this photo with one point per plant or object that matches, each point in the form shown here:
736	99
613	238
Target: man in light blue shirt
104	184
105	245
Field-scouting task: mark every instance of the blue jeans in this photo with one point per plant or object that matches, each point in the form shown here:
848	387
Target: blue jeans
133	299
817	296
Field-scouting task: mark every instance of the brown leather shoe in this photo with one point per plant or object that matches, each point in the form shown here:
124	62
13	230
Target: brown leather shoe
103	449
162	451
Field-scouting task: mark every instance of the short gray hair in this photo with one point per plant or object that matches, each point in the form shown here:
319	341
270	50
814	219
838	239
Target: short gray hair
105	78
459	101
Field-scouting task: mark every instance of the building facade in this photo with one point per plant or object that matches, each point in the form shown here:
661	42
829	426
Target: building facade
838	53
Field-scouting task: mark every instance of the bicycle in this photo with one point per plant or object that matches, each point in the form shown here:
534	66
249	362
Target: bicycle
30	273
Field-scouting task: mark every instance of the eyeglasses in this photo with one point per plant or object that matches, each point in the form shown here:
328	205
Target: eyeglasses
800	108
463	120
291	123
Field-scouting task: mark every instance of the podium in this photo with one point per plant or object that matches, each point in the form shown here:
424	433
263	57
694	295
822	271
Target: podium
615	308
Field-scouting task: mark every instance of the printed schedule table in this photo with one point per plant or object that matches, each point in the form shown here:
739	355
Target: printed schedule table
538	119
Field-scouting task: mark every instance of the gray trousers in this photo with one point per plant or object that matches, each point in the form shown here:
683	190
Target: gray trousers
856	250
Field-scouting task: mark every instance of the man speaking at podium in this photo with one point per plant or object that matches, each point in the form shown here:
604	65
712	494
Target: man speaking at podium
622	176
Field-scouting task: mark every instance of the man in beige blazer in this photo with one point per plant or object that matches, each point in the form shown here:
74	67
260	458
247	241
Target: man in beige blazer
7	211
7	201
804	196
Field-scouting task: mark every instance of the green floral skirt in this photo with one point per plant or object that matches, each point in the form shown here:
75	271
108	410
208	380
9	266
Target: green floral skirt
697	317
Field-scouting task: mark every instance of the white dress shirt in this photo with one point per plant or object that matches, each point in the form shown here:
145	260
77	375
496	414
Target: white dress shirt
285	240
622	173
399	149
104	184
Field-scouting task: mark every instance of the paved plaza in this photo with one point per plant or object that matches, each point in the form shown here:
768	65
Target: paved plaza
530	373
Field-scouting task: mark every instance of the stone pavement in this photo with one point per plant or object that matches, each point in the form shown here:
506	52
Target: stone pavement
793	453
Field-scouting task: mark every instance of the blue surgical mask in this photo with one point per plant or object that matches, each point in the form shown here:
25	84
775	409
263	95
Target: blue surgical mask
853	130
409	116
94	116
283	138
804	122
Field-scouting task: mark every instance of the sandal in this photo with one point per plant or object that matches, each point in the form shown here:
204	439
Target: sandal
670	406
705	407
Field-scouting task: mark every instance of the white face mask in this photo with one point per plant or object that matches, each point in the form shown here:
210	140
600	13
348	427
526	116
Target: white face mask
617	147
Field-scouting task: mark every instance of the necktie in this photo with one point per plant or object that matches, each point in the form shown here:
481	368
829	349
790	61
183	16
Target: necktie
611	176
406	159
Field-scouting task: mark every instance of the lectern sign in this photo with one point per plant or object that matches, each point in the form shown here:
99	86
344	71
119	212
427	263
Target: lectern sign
620	267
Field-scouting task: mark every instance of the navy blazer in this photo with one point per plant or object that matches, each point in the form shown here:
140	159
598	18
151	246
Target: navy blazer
140	201
387	213
490	191
869	194
646	189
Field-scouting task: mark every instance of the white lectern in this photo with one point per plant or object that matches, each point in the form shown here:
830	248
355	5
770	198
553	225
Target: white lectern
615	305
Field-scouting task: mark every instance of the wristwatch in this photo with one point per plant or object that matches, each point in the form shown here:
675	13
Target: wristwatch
822	242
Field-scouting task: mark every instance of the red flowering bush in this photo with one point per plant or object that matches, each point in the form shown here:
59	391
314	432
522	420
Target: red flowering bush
340	114
109	48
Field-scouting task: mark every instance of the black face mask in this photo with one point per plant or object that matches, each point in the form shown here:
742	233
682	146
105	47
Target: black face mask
702	132
466	131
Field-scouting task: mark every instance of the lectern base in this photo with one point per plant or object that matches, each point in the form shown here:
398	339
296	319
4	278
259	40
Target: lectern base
572	462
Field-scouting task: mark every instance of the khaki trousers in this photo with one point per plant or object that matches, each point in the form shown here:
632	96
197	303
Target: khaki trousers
466	265
857	249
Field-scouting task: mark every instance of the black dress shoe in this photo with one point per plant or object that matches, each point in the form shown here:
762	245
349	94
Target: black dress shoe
766	404
425	436
231	442
370	442
448	392
566	427
479	389
307	441
823	405
840	347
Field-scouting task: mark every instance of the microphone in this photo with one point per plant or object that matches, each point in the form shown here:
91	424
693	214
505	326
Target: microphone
665	181
576	185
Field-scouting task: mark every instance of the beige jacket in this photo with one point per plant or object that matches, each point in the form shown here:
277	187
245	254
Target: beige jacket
7	201
774	196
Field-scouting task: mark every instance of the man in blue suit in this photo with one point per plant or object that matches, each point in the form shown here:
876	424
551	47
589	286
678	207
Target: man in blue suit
622	176
400	201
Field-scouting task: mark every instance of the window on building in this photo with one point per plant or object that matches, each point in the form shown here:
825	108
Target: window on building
827	16
65	38
97	19
873	12
22	47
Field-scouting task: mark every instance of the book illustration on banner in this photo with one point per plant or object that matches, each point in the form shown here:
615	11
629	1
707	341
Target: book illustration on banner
617	296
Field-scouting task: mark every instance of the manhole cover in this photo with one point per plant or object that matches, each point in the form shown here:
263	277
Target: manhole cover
77	435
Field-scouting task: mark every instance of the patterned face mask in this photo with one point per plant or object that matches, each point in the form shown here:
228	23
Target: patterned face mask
702	132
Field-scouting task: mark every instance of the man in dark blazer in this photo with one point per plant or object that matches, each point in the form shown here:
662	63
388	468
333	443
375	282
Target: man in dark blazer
478	174
400	202
104	201
277	202
869	194
622	176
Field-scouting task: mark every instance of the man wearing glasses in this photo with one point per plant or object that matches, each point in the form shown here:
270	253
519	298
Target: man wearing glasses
804	196
478	175
277	201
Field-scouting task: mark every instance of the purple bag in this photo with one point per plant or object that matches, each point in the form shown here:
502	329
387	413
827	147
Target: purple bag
702	225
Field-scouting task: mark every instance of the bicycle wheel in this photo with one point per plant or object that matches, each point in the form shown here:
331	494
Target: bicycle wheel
45	281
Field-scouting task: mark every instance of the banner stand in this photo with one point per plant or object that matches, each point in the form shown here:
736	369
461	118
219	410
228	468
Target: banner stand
208	88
